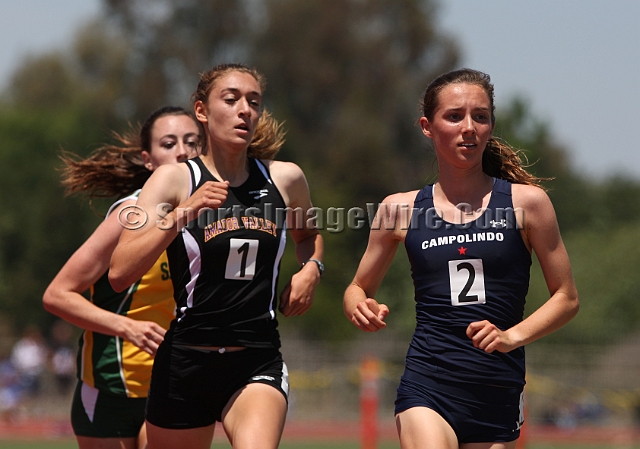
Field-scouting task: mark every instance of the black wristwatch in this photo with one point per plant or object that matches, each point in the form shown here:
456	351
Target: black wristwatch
320	265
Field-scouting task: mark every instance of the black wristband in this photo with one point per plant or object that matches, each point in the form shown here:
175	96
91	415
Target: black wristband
318	263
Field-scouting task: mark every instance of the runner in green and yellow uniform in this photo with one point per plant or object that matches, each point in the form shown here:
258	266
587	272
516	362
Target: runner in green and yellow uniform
122	330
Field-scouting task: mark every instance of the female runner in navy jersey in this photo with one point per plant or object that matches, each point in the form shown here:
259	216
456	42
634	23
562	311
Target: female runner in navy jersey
469	239
221	218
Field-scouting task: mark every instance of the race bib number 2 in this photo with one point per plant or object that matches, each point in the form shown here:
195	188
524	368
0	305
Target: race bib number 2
466	278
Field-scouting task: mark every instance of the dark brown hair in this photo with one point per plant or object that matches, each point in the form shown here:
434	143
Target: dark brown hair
499	160
116	170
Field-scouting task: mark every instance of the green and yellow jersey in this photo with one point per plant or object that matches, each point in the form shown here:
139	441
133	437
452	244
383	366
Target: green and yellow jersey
112	363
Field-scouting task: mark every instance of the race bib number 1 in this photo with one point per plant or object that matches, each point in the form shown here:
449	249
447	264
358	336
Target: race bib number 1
241	264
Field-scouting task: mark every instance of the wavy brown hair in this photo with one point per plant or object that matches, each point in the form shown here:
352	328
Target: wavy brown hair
116	170
499	159
269	135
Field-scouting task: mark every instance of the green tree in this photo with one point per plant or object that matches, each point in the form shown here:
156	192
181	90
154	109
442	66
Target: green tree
38	227
599	223
60	100
571	194
604	266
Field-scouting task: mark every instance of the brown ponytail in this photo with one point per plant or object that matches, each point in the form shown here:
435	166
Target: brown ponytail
502	161
115	170
110	171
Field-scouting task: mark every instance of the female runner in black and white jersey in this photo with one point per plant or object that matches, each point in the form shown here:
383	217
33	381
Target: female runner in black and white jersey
220	220
469	239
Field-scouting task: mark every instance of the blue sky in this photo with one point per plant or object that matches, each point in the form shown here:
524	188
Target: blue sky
576	61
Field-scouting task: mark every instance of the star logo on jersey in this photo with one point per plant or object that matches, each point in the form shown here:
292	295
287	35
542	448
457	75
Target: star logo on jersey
462	250
259	193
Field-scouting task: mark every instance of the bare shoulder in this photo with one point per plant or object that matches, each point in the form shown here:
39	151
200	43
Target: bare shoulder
538	215
291	182
401	198
117	209
168	183
394	215
121	204
529	197
399	205
284	173
171	171
111	227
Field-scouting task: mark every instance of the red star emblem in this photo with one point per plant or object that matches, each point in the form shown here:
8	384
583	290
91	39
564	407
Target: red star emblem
462	250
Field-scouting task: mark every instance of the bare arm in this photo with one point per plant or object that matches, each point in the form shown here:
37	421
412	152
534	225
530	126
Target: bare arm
63	297
541	233
297	296
164	207
358	303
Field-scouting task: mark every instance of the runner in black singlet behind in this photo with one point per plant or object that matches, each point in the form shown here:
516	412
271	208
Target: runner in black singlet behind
469	239
220	218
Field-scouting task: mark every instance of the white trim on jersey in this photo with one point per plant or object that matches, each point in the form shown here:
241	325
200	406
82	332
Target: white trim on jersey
285	379
195	265
132	197
276	264
120	341
263	169
281	246
197	174
89	398
85	345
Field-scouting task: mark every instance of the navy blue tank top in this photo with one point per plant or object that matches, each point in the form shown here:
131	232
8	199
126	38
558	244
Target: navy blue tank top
465	273
225	265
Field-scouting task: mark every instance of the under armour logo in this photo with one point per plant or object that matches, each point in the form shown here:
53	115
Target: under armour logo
499	224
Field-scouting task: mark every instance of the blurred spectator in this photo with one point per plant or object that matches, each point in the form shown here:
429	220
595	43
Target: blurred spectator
29	356
10	391
63	358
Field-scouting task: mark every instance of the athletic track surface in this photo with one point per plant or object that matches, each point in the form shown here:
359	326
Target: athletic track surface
348	431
